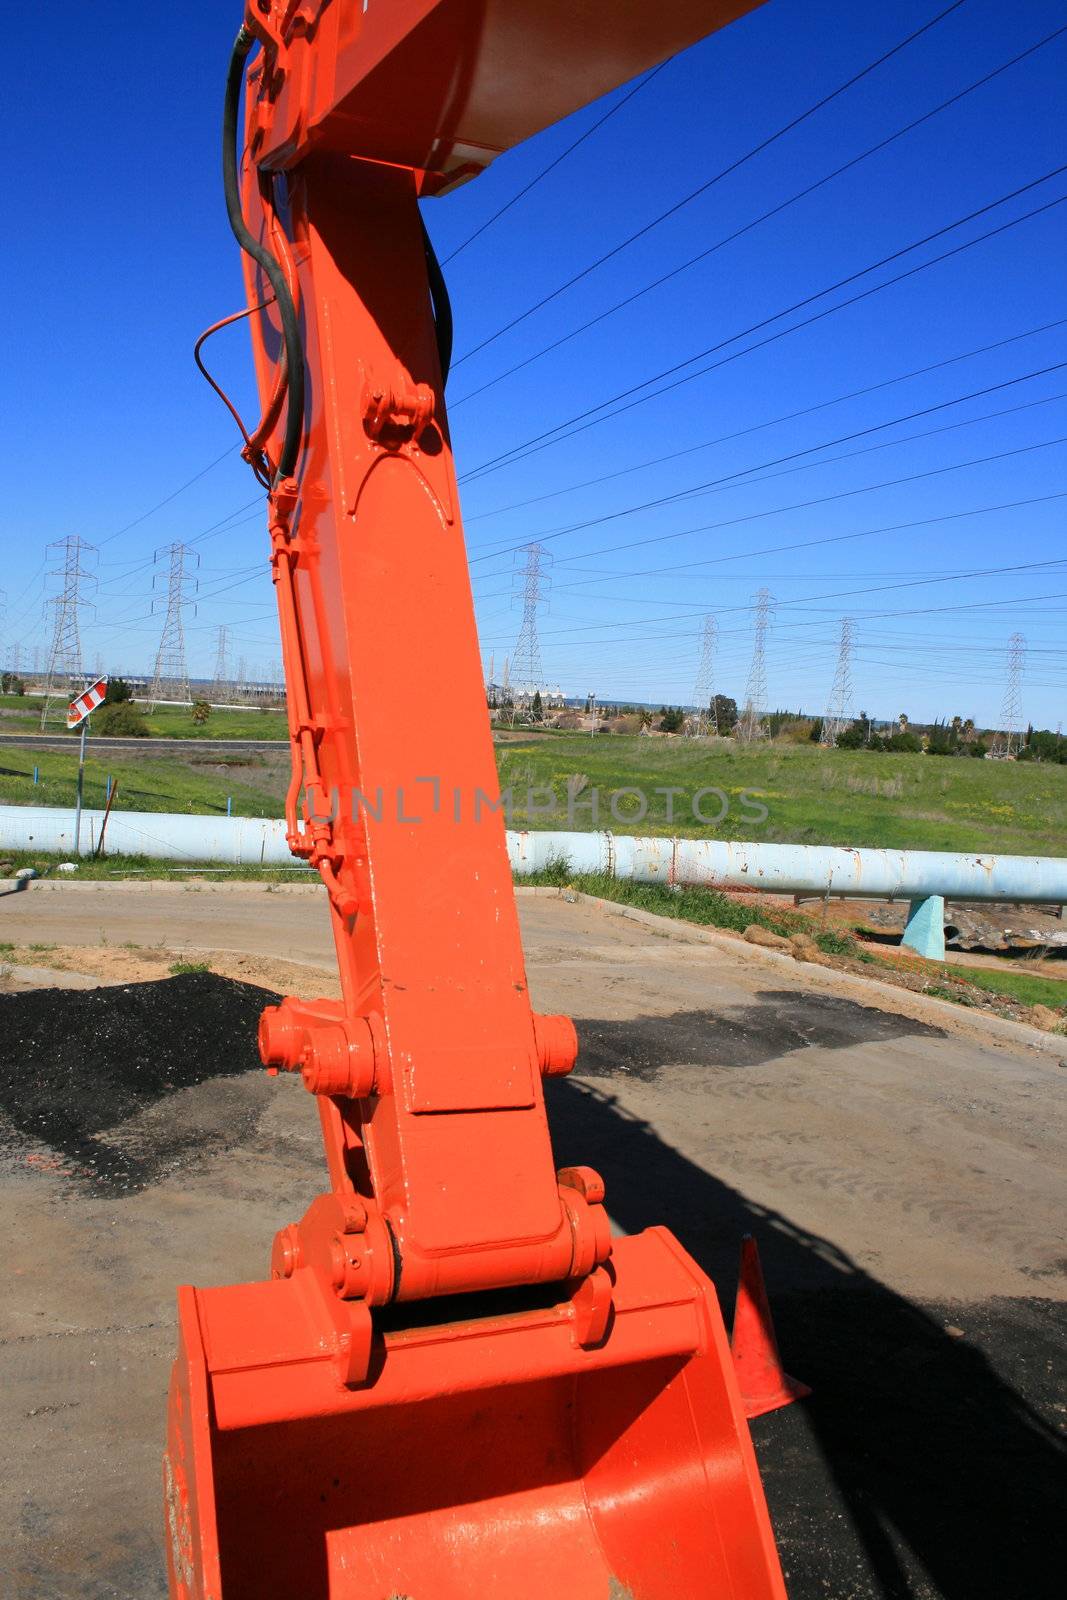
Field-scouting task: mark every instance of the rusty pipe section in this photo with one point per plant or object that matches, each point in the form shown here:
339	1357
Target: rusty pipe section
713	863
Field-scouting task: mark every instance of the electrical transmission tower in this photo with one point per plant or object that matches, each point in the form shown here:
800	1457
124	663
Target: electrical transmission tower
170	681
1008	742
839	704
750	726
704	690
74	575
220	682
526	670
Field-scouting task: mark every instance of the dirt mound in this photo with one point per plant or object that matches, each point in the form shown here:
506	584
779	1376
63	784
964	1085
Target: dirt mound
124	1082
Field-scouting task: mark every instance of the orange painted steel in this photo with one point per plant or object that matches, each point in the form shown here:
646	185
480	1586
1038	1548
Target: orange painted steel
560	1413
443	86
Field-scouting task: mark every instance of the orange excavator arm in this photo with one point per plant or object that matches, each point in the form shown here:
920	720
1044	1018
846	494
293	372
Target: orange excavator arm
558	1413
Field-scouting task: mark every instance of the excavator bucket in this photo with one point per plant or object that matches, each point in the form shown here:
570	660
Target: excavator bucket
546	1451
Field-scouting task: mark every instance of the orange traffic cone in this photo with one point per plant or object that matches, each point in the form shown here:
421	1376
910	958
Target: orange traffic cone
764	1383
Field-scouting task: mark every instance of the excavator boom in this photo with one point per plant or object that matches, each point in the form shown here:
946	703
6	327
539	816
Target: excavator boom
455	1382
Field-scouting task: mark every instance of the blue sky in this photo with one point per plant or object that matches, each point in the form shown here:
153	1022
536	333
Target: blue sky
118	255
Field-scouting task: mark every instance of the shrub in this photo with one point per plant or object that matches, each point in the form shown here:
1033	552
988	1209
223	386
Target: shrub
853	738
120	721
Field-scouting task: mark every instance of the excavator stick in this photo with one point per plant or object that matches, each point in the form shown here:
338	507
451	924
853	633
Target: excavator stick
454	1382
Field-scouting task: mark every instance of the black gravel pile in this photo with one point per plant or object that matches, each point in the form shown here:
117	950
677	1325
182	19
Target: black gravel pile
80	1069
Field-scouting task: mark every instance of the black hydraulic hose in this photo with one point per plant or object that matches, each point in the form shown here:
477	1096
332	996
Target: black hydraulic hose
442	305
294	354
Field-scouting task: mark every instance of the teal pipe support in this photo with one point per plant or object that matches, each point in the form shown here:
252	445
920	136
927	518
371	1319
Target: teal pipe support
925	930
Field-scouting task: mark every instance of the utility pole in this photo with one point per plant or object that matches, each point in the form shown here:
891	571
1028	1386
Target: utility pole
170	681
73	572
750	726
1008	742
704	690
840	701
526	657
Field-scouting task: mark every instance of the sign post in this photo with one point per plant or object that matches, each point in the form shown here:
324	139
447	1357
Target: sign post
79	712
81	788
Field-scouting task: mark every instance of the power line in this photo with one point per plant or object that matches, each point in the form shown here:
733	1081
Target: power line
833	538
821	500
806	602
710	182
712	484
789	416
552	165
599	574
982	605
749	227
167	498
568	428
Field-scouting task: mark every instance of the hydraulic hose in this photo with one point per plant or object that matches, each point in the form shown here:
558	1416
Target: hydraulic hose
294	354
442	305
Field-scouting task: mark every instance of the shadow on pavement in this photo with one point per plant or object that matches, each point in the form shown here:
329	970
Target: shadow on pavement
916	1470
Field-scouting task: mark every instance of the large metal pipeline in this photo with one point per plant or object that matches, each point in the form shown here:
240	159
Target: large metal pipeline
720	863
799	868
160	835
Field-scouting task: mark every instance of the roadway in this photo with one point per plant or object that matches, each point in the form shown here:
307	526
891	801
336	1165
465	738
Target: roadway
152	746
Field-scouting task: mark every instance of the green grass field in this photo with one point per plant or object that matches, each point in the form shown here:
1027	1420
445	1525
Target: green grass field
166	783
812	796
22	714
1029	987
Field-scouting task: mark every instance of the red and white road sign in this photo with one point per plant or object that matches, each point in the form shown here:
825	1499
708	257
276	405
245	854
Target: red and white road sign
87	701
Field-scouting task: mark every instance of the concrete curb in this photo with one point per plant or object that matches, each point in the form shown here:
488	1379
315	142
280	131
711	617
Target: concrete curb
985	1028
190	885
